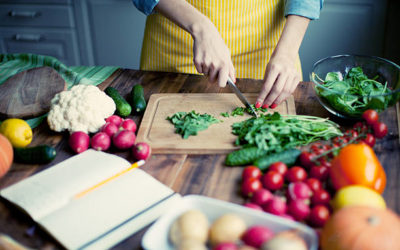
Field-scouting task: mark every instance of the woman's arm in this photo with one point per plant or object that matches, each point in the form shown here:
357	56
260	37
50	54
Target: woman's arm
281	76
211	55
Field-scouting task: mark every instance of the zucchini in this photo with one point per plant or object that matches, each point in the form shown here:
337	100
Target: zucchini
289	157
244	156
41	154
137	97
123	107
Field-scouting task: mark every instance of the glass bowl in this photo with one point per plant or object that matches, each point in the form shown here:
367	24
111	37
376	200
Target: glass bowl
348	95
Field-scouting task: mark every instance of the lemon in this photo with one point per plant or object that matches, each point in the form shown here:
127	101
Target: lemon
17	131
357	195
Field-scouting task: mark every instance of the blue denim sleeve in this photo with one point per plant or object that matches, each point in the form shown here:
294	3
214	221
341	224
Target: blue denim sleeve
306	8
145	6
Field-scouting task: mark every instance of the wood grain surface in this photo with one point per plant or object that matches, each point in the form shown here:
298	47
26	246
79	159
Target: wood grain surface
28	93
186	174
160	134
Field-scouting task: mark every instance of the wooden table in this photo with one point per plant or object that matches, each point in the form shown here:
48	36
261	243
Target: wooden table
186	174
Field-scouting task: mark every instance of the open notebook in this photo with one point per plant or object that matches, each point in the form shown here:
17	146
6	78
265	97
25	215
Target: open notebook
100	218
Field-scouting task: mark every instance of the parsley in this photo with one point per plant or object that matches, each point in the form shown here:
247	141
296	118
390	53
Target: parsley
189	123
275	132
240	110
225	114
355	92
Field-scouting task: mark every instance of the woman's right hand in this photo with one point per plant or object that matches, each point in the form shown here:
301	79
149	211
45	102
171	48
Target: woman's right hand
211	56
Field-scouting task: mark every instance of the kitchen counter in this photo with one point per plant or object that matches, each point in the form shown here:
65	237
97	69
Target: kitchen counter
186	174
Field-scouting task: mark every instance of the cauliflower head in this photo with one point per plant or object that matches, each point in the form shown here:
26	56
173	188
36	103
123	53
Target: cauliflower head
82	108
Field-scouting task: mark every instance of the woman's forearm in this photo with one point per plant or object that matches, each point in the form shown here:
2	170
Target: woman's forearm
292	35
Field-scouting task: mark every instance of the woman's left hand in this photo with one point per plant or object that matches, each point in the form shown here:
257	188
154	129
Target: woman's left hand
280	80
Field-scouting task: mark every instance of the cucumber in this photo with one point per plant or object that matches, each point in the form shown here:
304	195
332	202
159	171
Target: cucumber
244	156
288	157
123	107
41	154
137	97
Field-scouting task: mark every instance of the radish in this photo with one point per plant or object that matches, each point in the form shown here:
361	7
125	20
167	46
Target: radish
79	141
261	196
128	124
141	151
114	119
226	246
276	205
255	236
253	206
124	139
298	209
109	128
100	141
299	190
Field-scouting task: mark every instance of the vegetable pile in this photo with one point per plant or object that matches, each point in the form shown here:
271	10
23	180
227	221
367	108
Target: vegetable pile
354	93
274	133
189	123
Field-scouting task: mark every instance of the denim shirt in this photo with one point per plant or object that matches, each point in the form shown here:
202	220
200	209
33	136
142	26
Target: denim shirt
305	8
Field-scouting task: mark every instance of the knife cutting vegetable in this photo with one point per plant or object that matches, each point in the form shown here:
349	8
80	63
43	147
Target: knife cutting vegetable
242	98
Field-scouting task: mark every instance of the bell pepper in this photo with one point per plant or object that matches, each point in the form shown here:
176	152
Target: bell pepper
358	164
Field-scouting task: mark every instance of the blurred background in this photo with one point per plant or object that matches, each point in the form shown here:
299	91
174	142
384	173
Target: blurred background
110	32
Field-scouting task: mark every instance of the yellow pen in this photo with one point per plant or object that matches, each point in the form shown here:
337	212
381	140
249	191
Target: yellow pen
133	166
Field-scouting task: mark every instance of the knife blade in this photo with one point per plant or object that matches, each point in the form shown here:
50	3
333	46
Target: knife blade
242	98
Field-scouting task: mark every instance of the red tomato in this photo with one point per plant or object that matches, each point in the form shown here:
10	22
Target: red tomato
319	215
380	129
314	184
319	172
250	185
369	140
295	174
251	172
370	116
306	159
360	127
324	162
279	167
320	197
351	134
272	180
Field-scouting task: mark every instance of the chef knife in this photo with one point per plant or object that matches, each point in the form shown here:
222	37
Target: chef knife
241	96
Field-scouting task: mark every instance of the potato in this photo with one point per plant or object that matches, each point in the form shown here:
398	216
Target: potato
227	228
190	244
192	224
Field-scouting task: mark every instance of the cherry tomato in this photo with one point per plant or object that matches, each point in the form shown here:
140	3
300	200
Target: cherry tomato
351	134
250	185
340	140
319	172
317	148
251	172
272	180
360	127
370	116
319	215
314	184
320	197
295	174
324	162
369	140
380	129
279	167
306	159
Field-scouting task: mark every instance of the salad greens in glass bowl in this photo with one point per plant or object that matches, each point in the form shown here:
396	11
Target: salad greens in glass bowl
347	85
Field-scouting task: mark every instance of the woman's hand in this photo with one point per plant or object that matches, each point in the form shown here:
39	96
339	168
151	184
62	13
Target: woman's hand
280	80
281	77
211	56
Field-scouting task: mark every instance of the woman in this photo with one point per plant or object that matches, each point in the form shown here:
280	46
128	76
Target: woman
257	39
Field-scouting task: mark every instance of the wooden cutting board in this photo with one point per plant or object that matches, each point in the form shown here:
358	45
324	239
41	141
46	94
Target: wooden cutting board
28	93
159	133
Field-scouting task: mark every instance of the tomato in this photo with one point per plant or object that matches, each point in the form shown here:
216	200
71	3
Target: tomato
272	180
380	129
369	140
351	134
370	116
317	148
306	159
319	172
250	185
279	167
360	127
314	184
320	197
251	172
319	215
357	164
324	162
295	174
